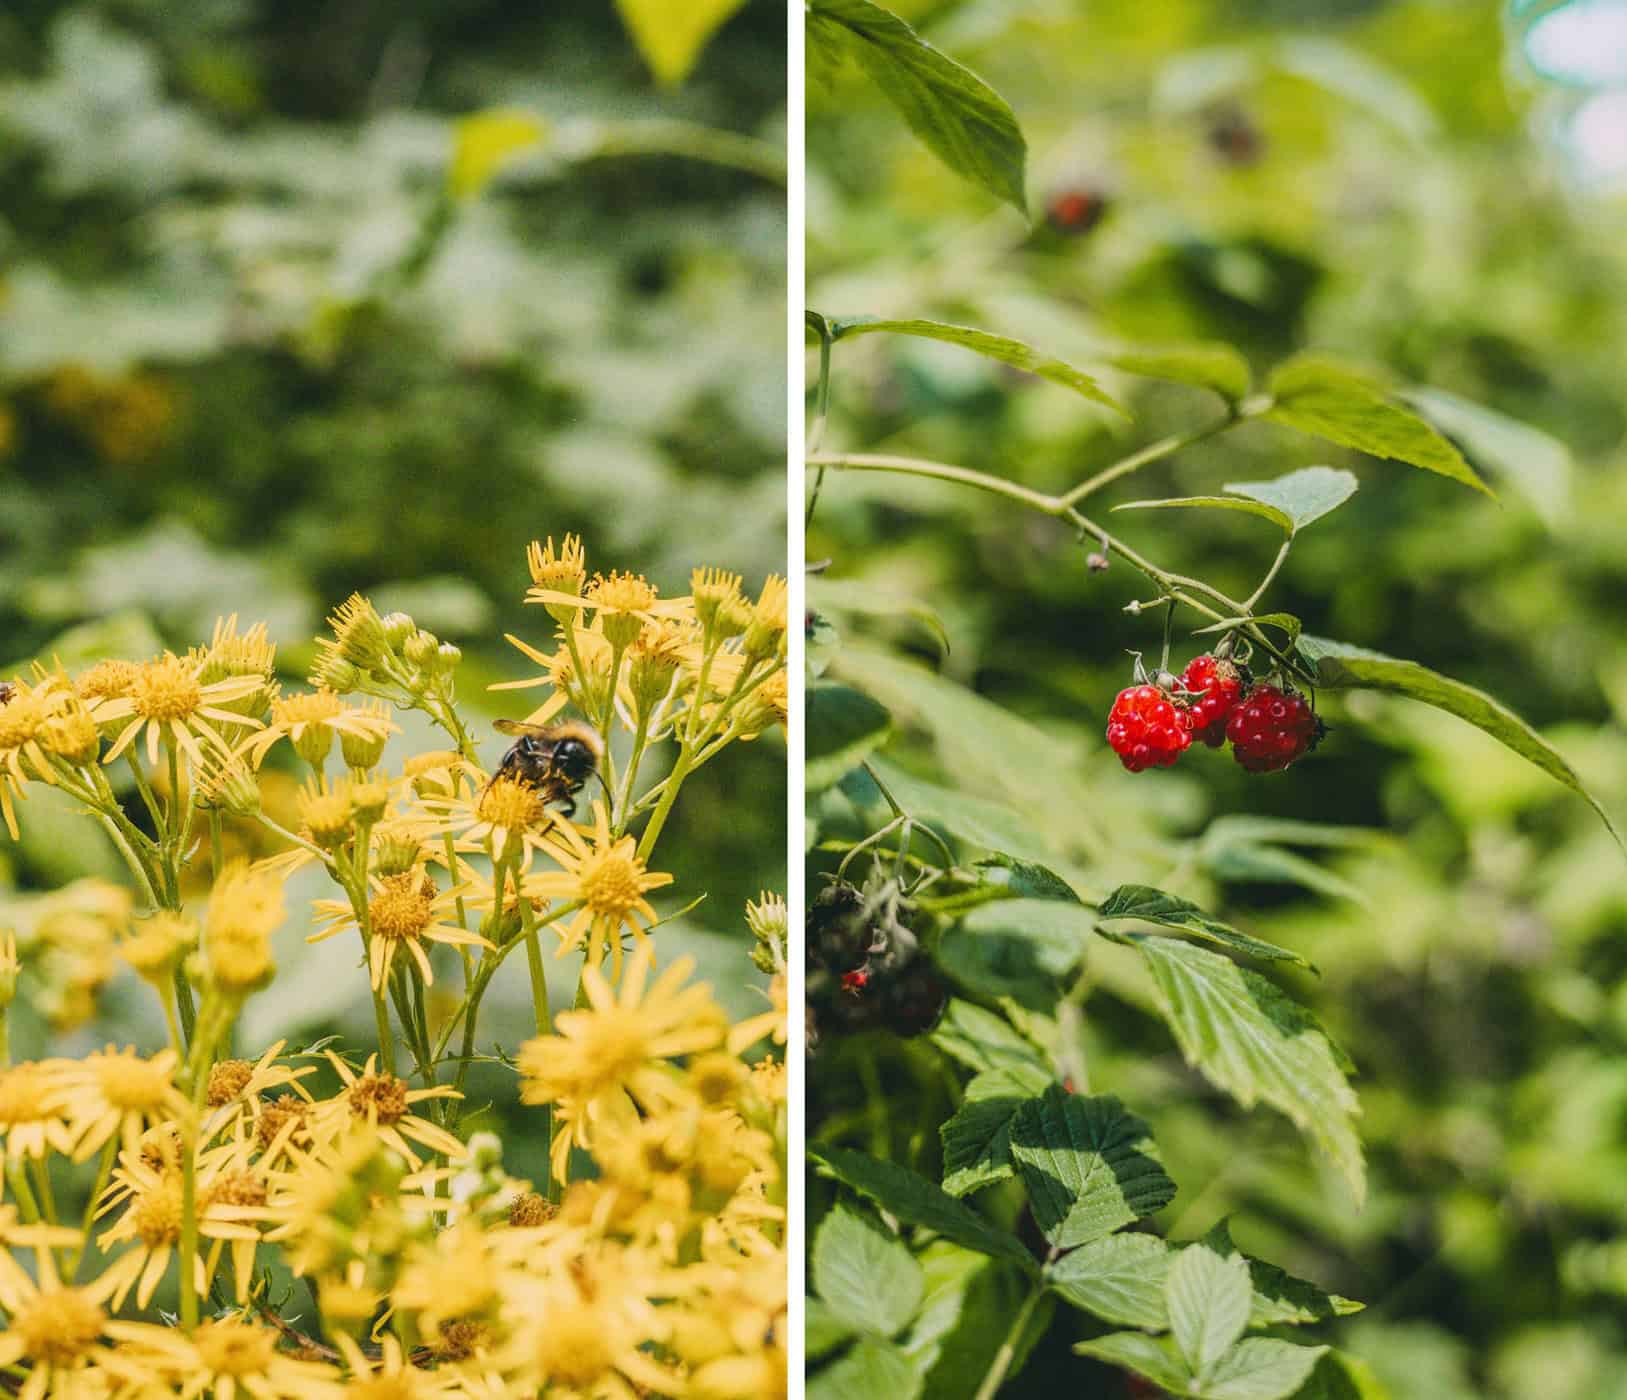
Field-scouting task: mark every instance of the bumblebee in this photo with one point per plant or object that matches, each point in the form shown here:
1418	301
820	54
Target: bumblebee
556	759
7	691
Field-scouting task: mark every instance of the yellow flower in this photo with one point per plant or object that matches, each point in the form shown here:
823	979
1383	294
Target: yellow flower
311	719
622	602
245	909
236	1091
405	911
586	685
500	811
32	1121
118	1093
613	1052
229	654
25	713
562	574
157	944
765	636
453	1278
382	1102
168	700
607	876
391	1376
227	1357
750	1031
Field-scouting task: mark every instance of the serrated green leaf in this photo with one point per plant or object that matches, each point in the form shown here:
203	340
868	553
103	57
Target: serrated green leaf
1119	1278
1278	1297
959	117
1027	949
911	1198
855	597
823	1329
994	347
1027	879
1209	366
1152	1357
1332	401
671	37
1302	496
1536	464
1261	1368
1339	666
871	1369
977	1138
1285	622
970	1304
1207	1294
1089	1166
1248	1038
864	1272
1154	906
983	1041
1240	504
844	726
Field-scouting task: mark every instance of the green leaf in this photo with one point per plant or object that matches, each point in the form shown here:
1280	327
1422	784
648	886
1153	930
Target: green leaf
1119	1278
1341	1377
1089	1166
855	597
959	117
1154	906
1152	1357
1332	401
1302	496
1278	1297
990	825
995	347
864	1272
1251	1040
983	1041
977	1138
844	726
1537	465
1027	949
911	1198
1238	503
1245	862
1209	365
870	1370
1285	622
671	37
971	1302
1207	1294
1261	1368
1027	879
823	1328
1342	667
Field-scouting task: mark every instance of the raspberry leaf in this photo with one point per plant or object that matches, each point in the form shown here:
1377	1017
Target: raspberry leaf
1266	511
844	727
1209	365
864	1272
1154	906
1534	463
873	1367
1207	1294
1119	1279
977	1139
1303	496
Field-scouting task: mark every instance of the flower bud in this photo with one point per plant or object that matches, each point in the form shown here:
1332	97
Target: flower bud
398	627
447	657
420	649
332	672
314	743
362	750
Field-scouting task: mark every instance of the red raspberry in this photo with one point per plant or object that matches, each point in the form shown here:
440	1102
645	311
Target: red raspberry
1222	687
856	981
1075	210
1272	728
1147	728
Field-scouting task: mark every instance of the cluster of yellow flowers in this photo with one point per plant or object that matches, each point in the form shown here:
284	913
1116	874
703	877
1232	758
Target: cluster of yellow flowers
646	1257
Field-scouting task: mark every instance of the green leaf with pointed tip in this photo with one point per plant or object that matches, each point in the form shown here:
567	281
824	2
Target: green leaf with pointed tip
958	116
1332	401
1152	1357
911	1198
1241	504
1261	1368
1250	863
864	1272
1027	949
1209	365
995	347
1154	906
983	1041
1027	879
1284	622
1089	1166
873	1368
1248	1038
1342	667
1207	1294
1302	496
857	598
977	1138
1119	1278
844	727
1280	1298
1537	465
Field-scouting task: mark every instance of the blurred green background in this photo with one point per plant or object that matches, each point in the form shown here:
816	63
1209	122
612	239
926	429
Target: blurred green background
1385	182
255	355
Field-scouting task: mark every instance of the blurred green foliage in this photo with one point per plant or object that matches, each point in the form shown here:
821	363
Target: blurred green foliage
1376	180
283	316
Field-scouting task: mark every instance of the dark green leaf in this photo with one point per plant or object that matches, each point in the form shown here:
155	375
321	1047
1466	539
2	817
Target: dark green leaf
1089	1166
1279	1297
1346	667
958	116
1285	622
1027	879
977	1139
853	596
1154	906
1241	504
1341	1377
1027	949
911	1198
844	726
864	1272
1119	1278
971	1302
1335	402
995	347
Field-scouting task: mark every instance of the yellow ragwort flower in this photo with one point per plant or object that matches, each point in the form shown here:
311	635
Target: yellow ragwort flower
404	912
168	700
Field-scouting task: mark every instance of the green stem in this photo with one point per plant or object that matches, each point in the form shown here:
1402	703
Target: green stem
675	780
381	1016
816	432
1270	575
641	738
104	1169
47	1195
1153	452
1003	1358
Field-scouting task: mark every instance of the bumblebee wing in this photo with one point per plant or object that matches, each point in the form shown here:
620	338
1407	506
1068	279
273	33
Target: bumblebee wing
515	726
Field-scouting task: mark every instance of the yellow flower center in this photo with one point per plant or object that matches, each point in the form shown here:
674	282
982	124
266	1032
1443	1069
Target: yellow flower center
460	1340
59	1326
531	1210
25	1095
107	680
572	1348
613	1043
130	1083
157	1215
512	805
240	1188
165	690
274	1117
22	719
403	907
384	1094
622	593
612	881
229	1348
316	707
228	1079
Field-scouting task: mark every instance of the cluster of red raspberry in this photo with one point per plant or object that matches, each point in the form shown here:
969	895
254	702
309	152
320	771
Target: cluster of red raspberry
1267	726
